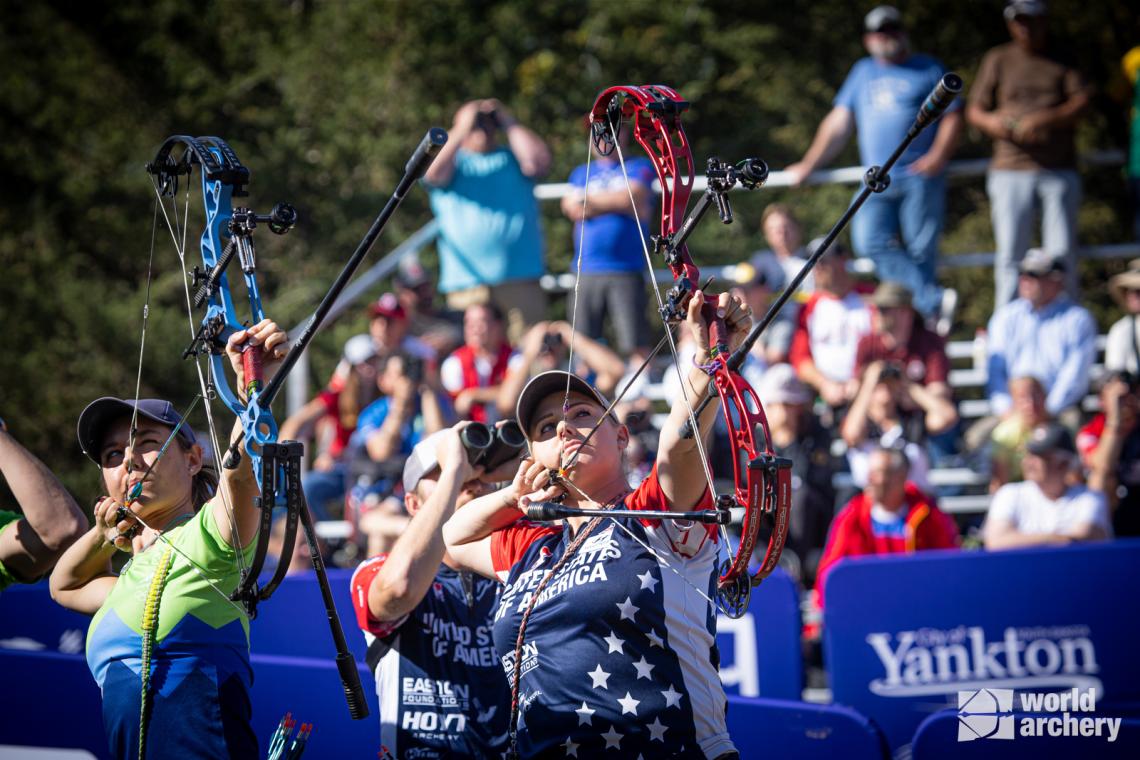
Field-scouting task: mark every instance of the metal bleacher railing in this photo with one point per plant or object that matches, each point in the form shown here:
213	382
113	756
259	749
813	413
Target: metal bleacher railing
971	351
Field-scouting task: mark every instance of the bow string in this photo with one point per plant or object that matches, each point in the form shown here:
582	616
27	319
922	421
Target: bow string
761	485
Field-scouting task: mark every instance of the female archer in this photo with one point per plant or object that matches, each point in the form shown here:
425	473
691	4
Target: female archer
605	624
168	648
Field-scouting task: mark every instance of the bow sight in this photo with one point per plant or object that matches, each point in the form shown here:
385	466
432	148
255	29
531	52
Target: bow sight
242	223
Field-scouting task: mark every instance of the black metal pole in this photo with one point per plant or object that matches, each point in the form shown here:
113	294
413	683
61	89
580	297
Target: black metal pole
345	662
545	511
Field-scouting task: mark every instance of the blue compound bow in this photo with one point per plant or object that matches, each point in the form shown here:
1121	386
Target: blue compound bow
228	234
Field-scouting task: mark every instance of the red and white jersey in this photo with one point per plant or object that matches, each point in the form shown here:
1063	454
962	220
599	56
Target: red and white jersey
828	333
441	689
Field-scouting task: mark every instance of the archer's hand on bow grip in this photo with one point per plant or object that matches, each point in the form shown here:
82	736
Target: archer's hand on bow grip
940	98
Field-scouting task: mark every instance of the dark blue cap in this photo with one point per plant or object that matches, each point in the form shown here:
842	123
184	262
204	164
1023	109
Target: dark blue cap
101	412
1050	437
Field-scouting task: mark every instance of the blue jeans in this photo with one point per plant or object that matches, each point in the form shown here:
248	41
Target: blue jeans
898	229
322	487
1014	198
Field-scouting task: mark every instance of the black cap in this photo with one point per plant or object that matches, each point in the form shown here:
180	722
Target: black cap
101	412
1048	438
542	385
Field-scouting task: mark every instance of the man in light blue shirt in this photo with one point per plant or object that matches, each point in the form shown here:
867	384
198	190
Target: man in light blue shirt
899	228
482	194
1042	334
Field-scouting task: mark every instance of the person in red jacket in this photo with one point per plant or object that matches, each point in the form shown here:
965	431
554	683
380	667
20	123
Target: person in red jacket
890	516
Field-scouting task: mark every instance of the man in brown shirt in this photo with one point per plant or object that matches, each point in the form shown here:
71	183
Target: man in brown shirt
1029	102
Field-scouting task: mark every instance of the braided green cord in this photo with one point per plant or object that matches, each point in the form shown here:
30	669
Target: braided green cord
149	635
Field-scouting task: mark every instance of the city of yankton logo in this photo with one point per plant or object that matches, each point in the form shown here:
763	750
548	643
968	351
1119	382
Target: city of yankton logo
989	714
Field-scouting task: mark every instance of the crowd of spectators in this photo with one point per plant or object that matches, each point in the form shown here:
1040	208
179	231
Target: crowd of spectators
854	374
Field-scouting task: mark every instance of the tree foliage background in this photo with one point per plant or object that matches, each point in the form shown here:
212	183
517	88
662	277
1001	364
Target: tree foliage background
325	100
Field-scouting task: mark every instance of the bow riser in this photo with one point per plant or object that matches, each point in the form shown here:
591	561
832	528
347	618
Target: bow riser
744	415
221	321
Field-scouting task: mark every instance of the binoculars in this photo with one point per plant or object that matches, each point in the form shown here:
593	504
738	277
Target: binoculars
491	447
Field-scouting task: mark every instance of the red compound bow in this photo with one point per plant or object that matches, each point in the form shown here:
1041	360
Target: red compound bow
761	480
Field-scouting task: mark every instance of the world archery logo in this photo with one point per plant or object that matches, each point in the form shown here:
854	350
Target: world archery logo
985	714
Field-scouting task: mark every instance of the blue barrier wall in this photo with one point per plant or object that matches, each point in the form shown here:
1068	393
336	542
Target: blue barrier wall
903	635
292	657
57	691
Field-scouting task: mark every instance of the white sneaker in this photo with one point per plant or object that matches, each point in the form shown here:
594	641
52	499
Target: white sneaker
946	311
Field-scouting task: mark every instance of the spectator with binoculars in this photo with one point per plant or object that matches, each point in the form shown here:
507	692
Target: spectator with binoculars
425	618
546	346
1110	449
891	411
411	407
482	195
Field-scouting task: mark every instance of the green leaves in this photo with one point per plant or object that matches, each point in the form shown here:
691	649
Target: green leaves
325	100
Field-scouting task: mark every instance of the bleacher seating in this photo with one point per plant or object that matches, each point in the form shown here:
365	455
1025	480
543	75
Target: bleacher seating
967	486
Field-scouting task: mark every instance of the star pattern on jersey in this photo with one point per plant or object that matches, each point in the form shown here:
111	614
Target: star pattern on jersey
614	643
629	648
599	677
629	705
648	581
643	668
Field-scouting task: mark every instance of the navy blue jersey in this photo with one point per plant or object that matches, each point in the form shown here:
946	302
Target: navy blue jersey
619	652
441	689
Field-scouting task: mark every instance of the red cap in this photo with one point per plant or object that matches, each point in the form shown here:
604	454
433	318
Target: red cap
387	306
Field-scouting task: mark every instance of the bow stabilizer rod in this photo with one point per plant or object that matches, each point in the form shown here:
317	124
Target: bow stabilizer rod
547	511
